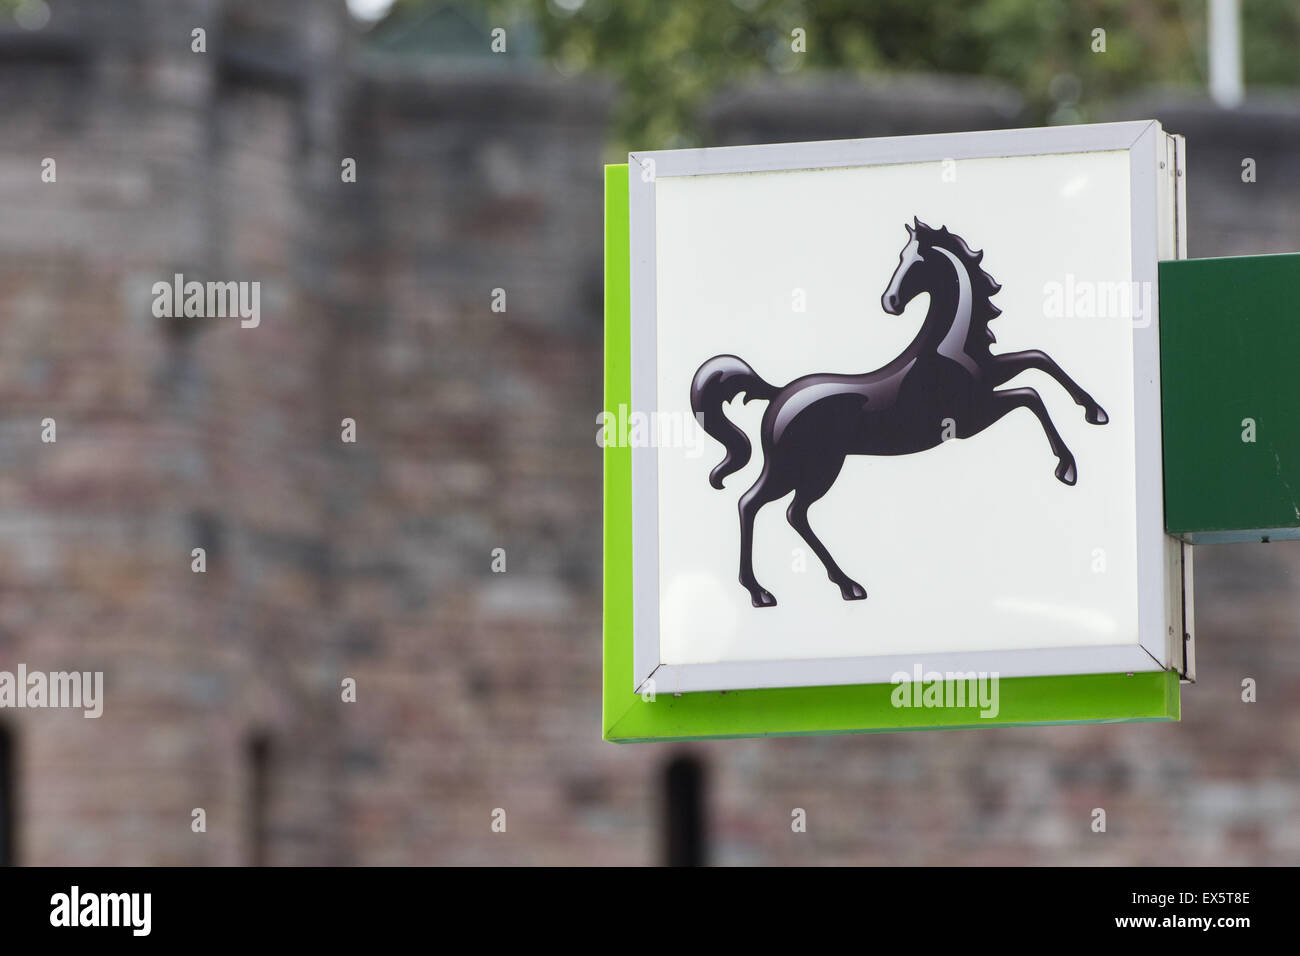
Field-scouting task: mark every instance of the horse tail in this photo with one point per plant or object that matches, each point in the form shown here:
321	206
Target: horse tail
719	380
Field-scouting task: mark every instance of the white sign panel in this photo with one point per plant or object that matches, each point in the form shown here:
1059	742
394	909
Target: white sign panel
902	405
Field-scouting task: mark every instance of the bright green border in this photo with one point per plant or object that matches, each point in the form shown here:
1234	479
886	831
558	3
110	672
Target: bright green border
861	708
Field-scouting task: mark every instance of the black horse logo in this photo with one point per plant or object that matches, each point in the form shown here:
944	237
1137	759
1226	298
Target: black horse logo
942	385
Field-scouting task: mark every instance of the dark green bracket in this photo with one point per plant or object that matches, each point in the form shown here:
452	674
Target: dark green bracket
1230	389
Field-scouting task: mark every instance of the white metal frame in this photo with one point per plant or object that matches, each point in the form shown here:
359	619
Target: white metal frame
1158	224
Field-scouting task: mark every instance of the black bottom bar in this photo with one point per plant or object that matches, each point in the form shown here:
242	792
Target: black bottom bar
334	907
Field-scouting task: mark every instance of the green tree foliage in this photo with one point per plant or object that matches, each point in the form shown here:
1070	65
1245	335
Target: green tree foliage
669	56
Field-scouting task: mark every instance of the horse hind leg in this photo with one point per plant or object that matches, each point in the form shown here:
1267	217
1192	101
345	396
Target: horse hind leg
797	514
759	494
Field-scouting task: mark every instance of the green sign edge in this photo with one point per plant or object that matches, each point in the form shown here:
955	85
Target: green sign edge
1227	339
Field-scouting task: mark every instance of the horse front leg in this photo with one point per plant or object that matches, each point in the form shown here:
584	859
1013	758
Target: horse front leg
1004	402
1011	364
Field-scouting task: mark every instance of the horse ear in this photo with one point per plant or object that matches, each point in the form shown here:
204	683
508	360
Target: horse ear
910	232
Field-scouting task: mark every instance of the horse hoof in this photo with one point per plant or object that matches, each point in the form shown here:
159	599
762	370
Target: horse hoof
762	598
1066	472
852	591
1096	416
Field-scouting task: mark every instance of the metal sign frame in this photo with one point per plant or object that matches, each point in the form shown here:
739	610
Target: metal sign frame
820	696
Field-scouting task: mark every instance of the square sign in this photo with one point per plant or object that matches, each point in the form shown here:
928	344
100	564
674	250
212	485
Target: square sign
889	412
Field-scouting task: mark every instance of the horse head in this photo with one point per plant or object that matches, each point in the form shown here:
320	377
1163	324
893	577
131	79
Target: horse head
909	279
915	272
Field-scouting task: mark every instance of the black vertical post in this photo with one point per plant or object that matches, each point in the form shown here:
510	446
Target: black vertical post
8	798
685	843
259	787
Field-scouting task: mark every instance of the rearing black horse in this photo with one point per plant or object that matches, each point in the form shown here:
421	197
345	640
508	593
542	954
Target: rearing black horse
942	385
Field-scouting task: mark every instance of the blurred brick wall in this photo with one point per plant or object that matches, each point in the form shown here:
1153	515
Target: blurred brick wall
172	434
475	431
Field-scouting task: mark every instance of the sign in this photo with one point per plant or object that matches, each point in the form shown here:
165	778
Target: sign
1232	437
882	423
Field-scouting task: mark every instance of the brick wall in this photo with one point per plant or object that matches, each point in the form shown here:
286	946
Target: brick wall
475	431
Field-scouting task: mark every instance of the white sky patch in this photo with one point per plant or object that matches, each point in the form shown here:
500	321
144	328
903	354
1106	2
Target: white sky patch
369	10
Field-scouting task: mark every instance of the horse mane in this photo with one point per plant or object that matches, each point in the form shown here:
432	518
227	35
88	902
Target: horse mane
982	284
